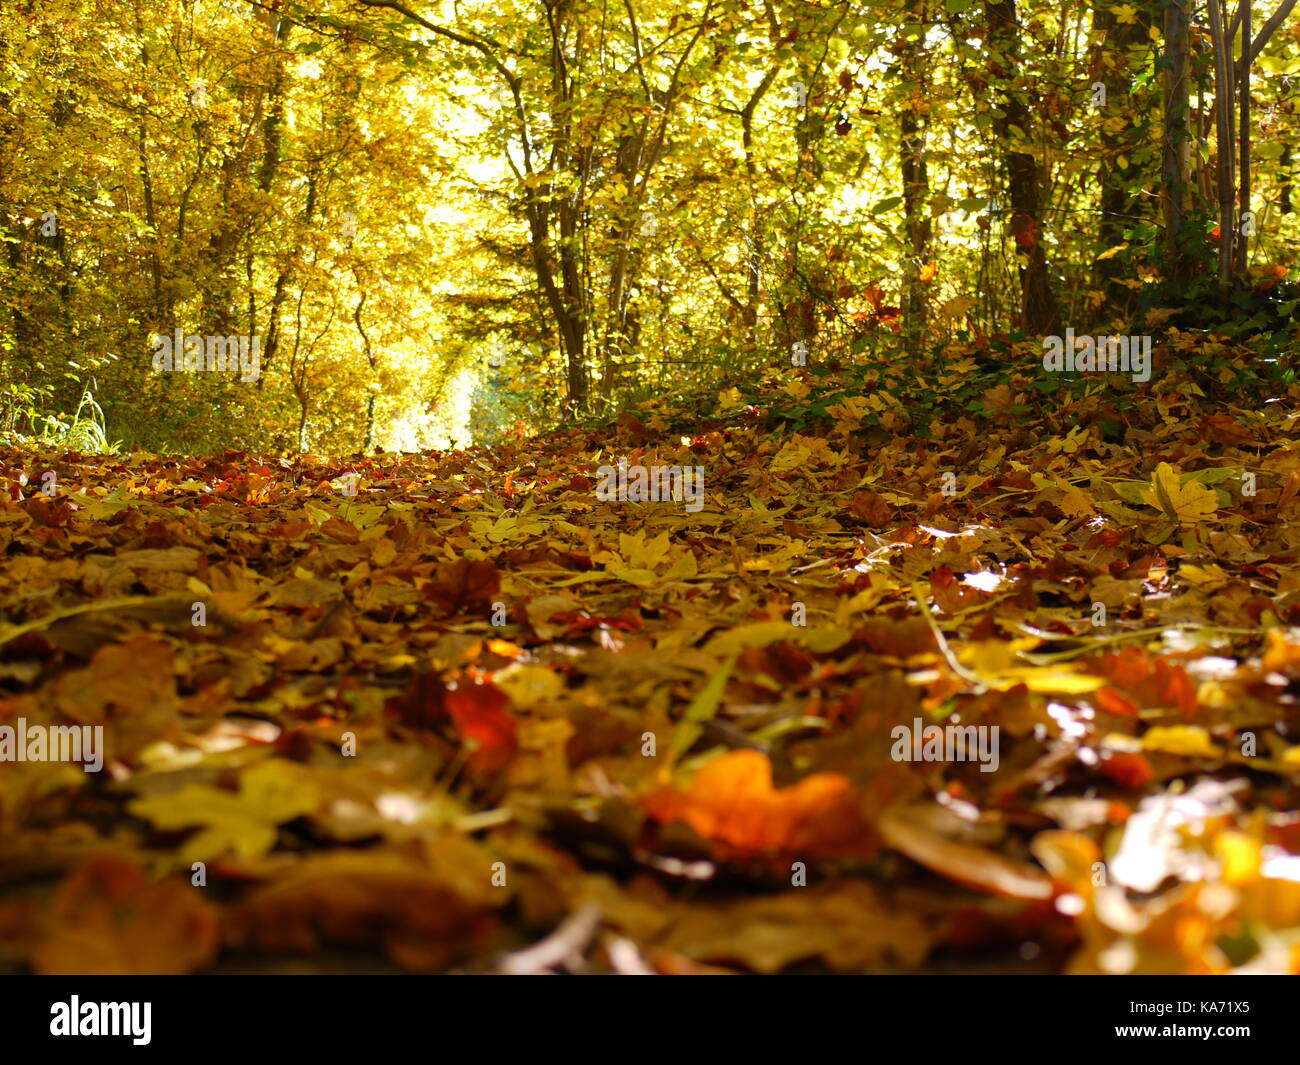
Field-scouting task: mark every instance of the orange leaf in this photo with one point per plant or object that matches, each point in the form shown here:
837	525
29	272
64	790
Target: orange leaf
1280	655
1113	702
359	899
871	508
733	803
1130	771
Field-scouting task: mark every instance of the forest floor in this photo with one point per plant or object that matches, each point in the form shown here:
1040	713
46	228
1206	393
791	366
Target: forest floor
459	712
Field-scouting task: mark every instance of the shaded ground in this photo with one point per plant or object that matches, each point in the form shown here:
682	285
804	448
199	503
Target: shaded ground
674	749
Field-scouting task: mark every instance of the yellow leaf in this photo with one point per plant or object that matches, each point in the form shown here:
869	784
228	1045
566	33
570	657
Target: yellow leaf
757	634
270	793
1050	680
529	685
637	551
792	455
848	413
1199	575
1241	856
1191	740
1075	504
1180	502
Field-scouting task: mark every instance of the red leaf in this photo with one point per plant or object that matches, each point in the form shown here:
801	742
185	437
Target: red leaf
475	707
478	709
1025	229
1129	771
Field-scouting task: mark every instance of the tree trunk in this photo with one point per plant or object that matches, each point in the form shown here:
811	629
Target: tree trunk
916	197
1225	135
1243	232
1039	311
1178	244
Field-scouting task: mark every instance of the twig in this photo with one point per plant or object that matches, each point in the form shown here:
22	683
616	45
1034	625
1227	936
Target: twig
1090	643
970	677
569	939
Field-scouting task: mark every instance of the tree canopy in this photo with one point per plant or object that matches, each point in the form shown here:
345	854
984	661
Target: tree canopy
447	222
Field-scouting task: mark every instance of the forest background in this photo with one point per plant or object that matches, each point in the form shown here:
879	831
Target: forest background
446	222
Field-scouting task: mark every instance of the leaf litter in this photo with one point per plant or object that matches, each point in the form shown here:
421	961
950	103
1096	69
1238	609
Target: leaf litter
474	717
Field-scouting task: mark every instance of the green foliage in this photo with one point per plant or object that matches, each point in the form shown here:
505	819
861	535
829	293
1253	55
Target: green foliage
84	430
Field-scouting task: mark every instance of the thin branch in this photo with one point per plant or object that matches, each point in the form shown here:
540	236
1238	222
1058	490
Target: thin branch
1266	31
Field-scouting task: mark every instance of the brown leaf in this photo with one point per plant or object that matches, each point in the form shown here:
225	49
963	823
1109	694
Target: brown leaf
463	584
965	863
848	925
357	900
109	918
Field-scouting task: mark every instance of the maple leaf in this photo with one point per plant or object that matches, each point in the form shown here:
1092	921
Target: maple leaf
478	710
729	399
639	560
541	610
1281	655
1075	504
633	426
871	508
244	823
528	685
1180	499
848	413
794	454
1130	771
1189	740
1025	229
